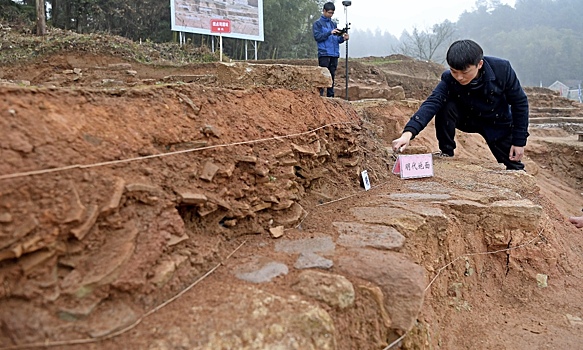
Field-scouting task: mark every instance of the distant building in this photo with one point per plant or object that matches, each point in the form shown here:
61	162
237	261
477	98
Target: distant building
572	93
560	87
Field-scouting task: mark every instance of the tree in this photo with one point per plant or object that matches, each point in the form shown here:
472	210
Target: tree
41	24
424	45
288	28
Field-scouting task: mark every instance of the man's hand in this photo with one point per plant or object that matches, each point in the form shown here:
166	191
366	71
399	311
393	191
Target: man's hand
516	153
346	36
400	144
577	221
335	31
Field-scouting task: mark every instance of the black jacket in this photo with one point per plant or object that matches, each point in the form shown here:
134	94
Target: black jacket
495	101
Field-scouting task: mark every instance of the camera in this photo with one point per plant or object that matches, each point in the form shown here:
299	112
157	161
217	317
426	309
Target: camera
346	3
342	31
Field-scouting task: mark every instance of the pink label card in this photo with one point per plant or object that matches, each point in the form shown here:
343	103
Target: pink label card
411	166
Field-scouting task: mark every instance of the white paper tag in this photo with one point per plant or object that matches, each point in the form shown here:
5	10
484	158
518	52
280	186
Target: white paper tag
365	180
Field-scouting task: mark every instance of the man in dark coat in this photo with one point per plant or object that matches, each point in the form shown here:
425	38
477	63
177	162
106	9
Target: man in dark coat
478	94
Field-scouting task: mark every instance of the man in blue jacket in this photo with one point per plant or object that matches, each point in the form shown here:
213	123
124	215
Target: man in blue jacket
478	94
328	38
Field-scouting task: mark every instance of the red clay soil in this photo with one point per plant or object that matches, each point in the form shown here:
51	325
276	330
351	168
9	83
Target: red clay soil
116	147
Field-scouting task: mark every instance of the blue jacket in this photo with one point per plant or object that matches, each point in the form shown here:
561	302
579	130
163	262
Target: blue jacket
497	102
327	42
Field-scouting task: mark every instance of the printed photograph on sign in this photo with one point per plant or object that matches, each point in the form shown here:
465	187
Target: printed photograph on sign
194	16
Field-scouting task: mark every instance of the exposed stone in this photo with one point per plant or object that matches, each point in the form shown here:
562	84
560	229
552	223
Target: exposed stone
399	278
542	280
31	261
419	196
378	296
141	187
81	231
207	208
174	240
284	153
358	235
82	308
289	76
119	66
104	265
284	172
311	260
210	130
334	290
261	170
114	200
76	209
513	214
265	320
574	321
287	162
29	224
270	199
110	317
163	272
307	150
356	93
290	216
257	272
246	159
276	232
261	206
192	198
308	245
351	163
209	170
188	101
283	204
401	219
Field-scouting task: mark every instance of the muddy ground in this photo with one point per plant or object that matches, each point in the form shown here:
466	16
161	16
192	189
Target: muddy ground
150	206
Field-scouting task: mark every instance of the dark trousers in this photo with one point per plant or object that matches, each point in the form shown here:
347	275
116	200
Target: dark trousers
331	63
498	138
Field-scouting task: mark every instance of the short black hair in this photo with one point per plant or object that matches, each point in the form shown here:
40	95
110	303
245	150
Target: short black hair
329	6
464	53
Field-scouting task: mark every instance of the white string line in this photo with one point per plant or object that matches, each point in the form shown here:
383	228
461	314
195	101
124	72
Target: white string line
483	253
128	328
456	259
113	162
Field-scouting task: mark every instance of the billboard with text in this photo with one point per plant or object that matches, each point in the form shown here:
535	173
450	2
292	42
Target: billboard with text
194	16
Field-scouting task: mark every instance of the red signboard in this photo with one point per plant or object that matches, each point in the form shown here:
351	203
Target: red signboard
220	26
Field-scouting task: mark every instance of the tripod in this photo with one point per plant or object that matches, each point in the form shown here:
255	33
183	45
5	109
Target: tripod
346	4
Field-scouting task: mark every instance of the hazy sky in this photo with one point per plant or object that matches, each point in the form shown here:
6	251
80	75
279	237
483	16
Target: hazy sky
396	16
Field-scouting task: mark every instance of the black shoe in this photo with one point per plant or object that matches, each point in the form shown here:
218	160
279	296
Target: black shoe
441	154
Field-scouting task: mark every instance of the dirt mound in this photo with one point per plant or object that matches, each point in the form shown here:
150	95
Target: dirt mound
147	206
